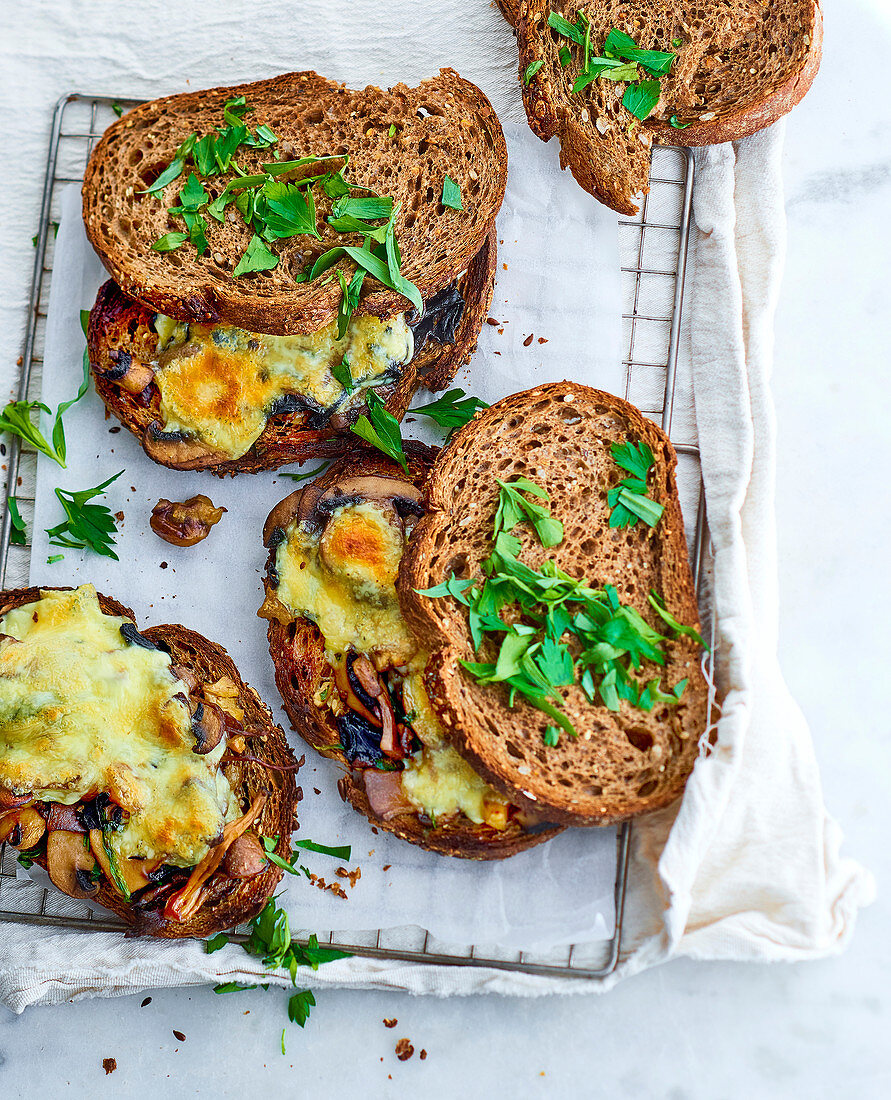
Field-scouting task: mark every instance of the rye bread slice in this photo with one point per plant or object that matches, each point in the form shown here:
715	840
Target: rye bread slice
120	326
559	436
297	649
445	126
230	901
742	65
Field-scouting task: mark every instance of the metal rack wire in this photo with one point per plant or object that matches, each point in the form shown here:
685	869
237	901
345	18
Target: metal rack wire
653	297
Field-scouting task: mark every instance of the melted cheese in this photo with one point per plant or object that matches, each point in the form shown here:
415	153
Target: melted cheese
346	581
217	383
82	712
438	780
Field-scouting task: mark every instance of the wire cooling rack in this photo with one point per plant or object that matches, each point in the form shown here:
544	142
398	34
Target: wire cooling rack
653	292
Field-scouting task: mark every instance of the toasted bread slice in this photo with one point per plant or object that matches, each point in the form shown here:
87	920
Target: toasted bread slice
444	127
558	435
739	66
264	766
121	332
306	679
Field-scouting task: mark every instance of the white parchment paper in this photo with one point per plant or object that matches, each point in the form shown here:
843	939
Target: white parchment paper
558	280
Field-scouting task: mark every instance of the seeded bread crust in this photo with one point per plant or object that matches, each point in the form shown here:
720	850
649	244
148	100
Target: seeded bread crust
231	901
119	323
301	667
445	126
743	64
558	435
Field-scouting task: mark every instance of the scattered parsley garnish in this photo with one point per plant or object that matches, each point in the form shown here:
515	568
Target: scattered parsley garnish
623	60
118	109
86	526
381	429
451	194
278	209
307	475
673	121
560	631
551	736
18	532
453	410
53	558
270	940
628	499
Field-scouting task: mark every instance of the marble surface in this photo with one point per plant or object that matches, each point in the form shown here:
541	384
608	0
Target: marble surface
688	1030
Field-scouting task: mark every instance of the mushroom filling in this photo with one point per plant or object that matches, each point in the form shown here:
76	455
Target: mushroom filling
110	755
218	385
335	564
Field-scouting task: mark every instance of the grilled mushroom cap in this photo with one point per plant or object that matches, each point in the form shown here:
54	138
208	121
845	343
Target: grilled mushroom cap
312	506
178	450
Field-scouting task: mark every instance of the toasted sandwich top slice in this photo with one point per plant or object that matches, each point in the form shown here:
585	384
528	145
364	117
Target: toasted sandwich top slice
416	146
738	66
618	758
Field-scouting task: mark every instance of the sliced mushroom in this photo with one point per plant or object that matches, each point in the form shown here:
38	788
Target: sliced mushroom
70	864
134	873
22	828
440	319
125	371
187	522
208	727
178	450
245	857
10	801
186	675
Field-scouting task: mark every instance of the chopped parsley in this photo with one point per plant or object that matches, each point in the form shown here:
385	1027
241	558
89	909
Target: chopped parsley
453	409
628	499
381	429
18	532
277	209
622	60
558	630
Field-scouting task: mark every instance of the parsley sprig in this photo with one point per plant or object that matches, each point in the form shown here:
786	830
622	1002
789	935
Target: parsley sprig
381	429
86	526
453	409
16	417
622	60
558	630
628	499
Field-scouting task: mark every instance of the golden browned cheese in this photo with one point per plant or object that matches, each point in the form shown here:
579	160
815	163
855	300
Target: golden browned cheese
345	581
83	712
218	383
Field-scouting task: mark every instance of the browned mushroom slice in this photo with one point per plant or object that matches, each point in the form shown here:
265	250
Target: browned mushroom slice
245	857
125	371
178	450
132	872
70	864
187	522
22	828
208	726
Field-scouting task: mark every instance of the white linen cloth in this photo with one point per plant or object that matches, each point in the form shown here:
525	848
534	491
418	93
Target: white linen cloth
747	867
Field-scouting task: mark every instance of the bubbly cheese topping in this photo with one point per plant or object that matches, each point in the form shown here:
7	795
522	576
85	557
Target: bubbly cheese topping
438	779
345	581
83	711
218	384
